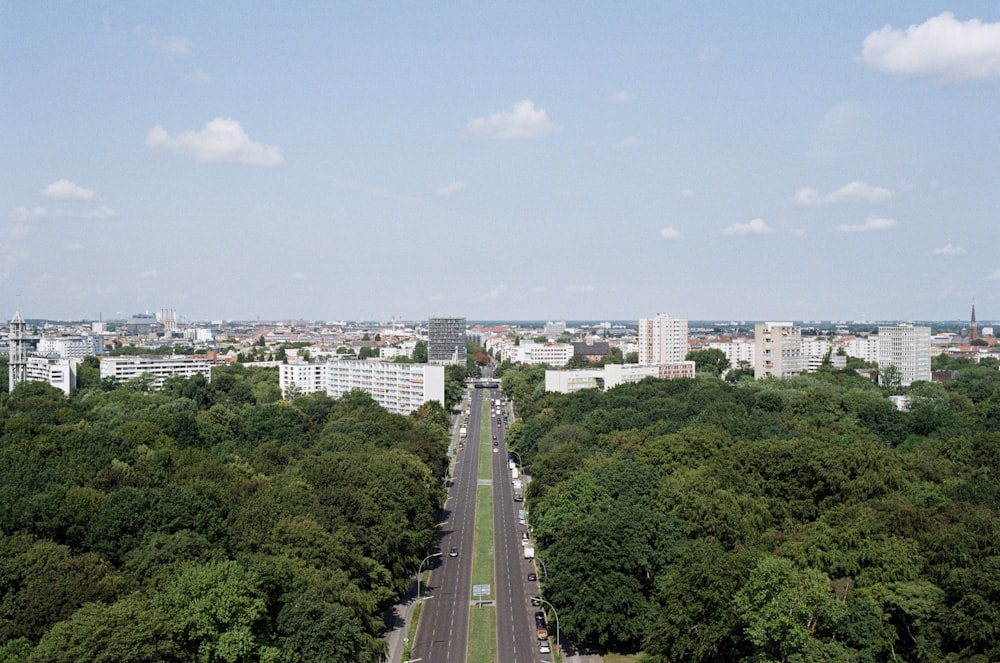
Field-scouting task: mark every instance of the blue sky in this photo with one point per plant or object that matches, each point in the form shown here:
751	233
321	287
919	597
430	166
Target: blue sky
711	160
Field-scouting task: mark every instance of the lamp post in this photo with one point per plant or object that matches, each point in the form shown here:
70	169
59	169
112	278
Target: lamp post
420	570
556	613
545	572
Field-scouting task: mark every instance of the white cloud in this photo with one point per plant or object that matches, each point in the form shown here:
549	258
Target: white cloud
798	232
169	44
100	213
873	224
994	275
524	121
28	213
855	192
148	274
950	250
449	189
66	190
622	96
436	298
201	76
671	234
74	246
580	288
298	276
222	139
496	292
942	47
626	142
752	227
686	193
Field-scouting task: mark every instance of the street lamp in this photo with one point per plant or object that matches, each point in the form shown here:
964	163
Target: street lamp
420	570
556	613
545	573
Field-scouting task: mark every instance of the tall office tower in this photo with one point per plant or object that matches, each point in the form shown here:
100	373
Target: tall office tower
446	341
973	327
777	350
662	339
908	348
18	362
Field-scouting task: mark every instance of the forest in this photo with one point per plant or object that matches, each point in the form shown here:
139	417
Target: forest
209	521
802	520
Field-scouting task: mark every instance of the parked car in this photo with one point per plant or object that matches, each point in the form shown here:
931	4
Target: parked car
544	648
532	577
536	600
539	618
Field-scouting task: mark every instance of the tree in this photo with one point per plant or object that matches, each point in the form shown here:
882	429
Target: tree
709	360
419	352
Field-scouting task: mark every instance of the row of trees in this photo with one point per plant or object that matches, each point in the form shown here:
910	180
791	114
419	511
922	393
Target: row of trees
798	520
209	521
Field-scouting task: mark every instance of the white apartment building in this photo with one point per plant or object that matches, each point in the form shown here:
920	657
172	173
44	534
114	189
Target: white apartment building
736	350
908	348
662	339
612	375
60	373
398	387
555	329
71	347
777	350
553	354
157	367
863	348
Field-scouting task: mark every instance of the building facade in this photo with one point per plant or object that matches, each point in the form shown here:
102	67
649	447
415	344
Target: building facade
908	348
60	373
553	354
157	367
71	347
777	350
612	375
662	340
446	341
398	387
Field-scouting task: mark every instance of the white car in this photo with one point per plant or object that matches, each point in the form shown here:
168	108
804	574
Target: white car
544	648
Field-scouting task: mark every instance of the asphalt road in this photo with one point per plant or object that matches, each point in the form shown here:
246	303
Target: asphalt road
516	641
443	633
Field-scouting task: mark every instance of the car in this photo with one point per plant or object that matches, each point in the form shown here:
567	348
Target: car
453	552
539	619
532	577
536	600
544	647
496	450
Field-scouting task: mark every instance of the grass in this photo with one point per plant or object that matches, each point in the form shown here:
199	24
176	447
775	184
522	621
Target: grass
483	620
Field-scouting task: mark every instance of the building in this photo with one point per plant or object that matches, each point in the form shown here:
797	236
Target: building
446	341
973	326
777	350
71	347
612	375
591	350
553	354
908	348
58	372
662	340
17	362
865	348
554	329
157	367
398	387
737	351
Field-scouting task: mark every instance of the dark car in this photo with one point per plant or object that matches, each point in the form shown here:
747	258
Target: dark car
532	577
536	600
453	552
539	619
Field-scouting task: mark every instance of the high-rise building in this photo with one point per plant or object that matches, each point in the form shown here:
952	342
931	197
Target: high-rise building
399	388
446	341
18	362
662	340
908	348
777	350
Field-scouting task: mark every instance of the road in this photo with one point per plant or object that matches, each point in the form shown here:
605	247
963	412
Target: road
443	633
516	641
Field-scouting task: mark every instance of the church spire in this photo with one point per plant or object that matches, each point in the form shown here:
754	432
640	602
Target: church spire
973	327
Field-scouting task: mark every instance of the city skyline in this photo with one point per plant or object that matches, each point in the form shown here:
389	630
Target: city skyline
719	161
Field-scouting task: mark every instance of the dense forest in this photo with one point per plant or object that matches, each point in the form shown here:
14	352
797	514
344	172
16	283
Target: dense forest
209	521
802	520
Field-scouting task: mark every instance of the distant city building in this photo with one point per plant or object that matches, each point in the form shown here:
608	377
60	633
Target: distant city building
555	329
17	361
553	354
141	323
398	387
612	375
777	350
446	341
592	350
71	347
863	348
157	367
736	350
908	348
662	340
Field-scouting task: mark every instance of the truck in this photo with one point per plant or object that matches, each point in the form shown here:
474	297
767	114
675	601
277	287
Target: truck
518	495
463	431
529	552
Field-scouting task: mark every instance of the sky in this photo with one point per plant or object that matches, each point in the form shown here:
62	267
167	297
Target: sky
525	160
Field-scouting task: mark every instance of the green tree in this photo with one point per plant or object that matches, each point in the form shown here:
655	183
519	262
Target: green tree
420	352
709	360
